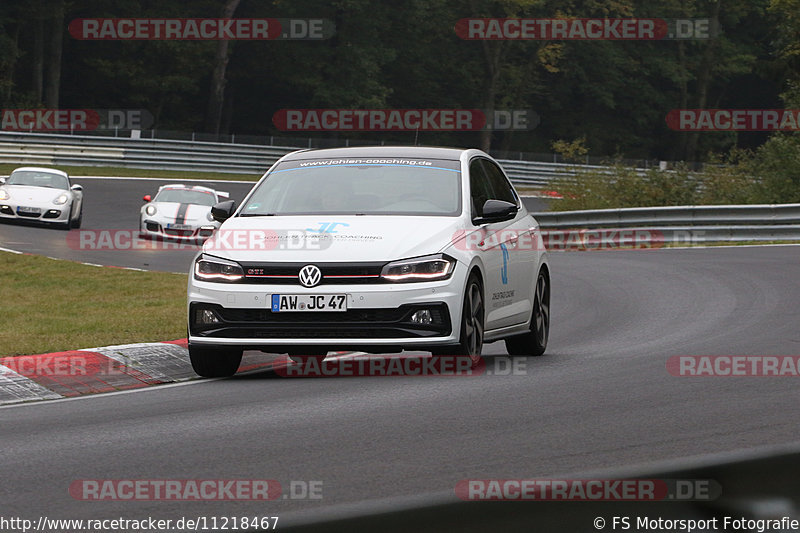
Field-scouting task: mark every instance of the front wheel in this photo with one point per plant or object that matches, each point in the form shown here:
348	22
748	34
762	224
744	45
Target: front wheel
76	224
472	323
215	362
534	342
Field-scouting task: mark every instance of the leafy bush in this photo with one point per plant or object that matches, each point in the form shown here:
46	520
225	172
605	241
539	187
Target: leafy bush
770	175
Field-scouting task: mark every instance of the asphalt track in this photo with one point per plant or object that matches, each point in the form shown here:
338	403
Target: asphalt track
600	398
114	204
110	204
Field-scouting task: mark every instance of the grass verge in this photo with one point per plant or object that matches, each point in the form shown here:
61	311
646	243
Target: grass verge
60	305
6	168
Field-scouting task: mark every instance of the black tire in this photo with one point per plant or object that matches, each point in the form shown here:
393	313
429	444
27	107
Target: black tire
215	362
473	317
535	341
76	224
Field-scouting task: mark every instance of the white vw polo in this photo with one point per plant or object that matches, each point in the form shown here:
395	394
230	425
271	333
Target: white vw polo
379	249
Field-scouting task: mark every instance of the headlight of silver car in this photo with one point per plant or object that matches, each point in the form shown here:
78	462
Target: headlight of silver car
209	268
61	199
150	209
209	217
427	268
4	195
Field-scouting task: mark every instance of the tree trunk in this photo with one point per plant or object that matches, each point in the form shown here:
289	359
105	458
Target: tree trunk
703	81
53	85
216	97
38	59
492	51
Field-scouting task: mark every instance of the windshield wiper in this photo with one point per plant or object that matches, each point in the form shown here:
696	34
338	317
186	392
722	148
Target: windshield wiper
257	215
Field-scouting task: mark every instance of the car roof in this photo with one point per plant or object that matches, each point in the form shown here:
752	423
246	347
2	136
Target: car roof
42	169
427	152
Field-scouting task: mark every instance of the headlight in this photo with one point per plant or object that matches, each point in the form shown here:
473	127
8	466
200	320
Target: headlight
62	199
209	217
150	209
208	268
428	268
4	194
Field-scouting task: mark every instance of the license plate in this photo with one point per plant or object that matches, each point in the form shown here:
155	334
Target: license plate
283	303
179	226
22	209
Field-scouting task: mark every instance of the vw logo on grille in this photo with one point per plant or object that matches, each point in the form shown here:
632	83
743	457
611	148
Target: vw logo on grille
310	275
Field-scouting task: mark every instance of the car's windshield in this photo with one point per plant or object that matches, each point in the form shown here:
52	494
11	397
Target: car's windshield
359	187
38	179
186	196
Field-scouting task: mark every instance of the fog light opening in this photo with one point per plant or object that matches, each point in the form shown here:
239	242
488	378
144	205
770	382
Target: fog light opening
207	316
423	316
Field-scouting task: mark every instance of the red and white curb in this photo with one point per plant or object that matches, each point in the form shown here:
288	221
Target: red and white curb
57	375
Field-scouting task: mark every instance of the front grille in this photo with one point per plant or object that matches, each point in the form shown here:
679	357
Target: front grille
28	215
332	273
179	232
353	323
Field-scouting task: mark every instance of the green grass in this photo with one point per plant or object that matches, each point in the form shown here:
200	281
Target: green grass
54	305
76	171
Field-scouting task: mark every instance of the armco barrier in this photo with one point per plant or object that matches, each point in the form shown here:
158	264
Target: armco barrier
755	485
166	154
688	224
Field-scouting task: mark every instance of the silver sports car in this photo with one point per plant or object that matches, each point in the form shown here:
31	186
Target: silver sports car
180	212
41	194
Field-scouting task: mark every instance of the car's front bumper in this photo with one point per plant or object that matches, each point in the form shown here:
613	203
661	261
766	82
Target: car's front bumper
378	315
48	212
158	229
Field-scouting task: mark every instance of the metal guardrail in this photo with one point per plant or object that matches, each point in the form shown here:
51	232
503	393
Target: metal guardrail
758	485
679	224
165	154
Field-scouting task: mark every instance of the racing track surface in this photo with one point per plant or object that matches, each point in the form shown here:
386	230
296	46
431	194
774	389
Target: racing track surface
600	398
113	204
110	204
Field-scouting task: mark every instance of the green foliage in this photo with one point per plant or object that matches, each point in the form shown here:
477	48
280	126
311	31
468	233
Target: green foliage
771	175
613	94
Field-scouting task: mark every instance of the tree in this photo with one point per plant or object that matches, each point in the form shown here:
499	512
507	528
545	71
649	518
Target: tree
216	98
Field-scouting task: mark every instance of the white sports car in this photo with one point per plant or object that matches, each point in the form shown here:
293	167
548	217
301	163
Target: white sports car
41	194
377	249
181	212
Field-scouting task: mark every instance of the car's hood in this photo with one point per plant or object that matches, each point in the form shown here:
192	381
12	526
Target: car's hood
182	213
331	238
26	194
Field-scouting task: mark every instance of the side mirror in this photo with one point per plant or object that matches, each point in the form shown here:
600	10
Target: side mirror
147	198
76	187
496	211
223	210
